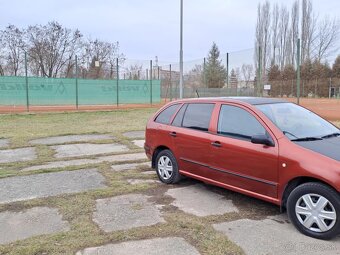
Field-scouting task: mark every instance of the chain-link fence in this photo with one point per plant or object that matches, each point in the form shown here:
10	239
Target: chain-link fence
126	81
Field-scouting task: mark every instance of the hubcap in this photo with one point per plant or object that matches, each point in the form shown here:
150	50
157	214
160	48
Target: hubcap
315	212
165	167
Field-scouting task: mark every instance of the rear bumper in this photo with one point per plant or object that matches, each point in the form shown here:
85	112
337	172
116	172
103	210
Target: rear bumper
148	151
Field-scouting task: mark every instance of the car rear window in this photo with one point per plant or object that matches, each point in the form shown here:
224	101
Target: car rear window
197	116
165	116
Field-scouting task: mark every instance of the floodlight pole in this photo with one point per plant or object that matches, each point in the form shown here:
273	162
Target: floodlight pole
181	54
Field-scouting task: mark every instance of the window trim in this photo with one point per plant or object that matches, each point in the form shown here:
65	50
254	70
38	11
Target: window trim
186	104
252	113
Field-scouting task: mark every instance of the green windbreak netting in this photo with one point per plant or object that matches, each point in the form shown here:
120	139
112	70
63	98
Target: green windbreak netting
61	91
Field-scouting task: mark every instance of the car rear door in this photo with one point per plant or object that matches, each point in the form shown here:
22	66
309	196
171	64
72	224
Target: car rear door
236	160
191	138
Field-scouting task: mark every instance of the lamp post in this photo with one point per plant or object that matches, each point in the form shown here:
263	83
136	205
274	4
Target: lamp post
181	53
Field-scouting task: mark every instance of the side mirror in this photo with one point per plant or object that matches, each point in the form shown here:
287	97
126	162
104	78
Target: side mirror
262	139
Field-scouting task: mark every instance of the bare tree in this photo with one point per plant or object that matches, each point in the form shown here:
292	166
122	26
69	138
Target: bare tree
247	72
12	40
275	31
326	41
293	33
283	34
308	22
263	35
51	47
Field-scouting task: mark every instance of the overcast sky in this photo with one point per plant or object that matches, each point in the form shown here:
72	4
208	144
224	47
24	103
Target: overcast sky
149	28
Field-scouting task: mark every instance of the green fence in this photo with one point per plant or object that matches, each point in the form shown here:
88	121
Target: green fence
61	91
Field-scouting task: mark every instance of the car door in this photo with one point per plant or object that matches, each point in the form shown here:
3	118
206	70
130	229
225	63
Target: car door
236	160
191	138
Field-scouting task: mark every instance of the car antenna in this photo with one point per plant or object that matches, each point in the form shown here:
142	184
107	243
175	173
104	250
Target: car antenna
198	95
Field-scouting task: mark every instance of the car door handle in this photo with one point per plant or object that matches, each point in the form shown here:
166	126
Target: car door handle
174	134
216	144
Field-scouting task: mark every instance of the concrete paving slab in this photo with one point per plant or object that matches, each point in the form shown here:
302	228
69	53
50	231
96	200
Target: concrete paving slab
70	139
80	162
149	173
16	226
126	212
4	142
141	181
28	187
17	155
200	201
139	143
135	134
156	246
87	149
274	235
131	166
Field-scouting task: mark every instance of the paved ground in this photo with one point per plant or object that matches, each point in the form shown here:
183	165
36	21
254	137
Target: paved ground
129	208
87	149
126	212
134	134
31	222
4	143
274	235
70	139
79	162
22	188
198	200
17	155
139	143
157	246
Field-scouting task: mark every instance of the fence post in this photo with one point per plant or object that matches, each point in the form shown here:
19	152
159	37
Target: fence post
204	73
170	85
298	72
151	82
227	71
117	80
77	99
26	81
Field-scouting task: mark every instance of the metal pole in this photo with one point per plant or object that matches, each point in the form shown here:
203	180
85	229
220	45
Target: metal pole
77	102
227	70
259	81
158	72
170	85
117	79
298	72
181	53
26	80
151	82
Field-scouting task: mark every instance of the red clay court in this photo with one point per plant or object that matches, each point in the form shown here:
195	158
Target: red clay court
327	108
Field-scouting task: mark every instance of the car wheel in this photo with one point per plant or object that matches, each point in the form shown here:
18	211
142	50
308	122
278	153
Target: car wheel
314	209
167	167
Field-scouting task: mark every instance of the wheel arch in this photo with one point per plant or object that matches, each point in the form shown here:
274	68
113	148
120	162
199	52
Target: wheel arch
292	184
156	152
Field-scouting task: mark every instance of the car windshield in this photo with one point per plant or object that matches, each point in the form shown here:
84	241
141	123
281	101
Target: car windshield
297	122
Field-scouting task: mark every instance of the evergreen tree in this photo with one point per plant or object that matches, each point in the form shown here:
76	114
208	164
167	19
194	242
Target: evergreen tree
336	67
215	73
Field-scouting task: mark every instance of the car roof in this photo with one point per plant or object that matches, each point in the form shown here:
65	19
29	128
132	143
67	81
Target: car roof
248	100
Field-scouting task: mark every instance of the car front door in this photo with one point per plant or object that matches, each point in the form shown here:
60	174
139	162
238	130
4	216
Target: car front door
237	161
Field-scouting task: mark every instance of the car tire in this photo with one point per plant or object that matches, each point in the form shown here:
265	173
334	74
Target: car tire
314	209
167	167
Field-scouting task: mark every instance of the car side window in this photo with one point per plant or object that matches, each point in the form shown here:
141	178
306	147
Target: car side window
179	117
197	116
165	116
238	123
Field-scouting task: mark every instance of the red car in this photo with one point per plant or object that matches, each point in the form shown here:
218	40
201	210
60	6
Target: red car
265	148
